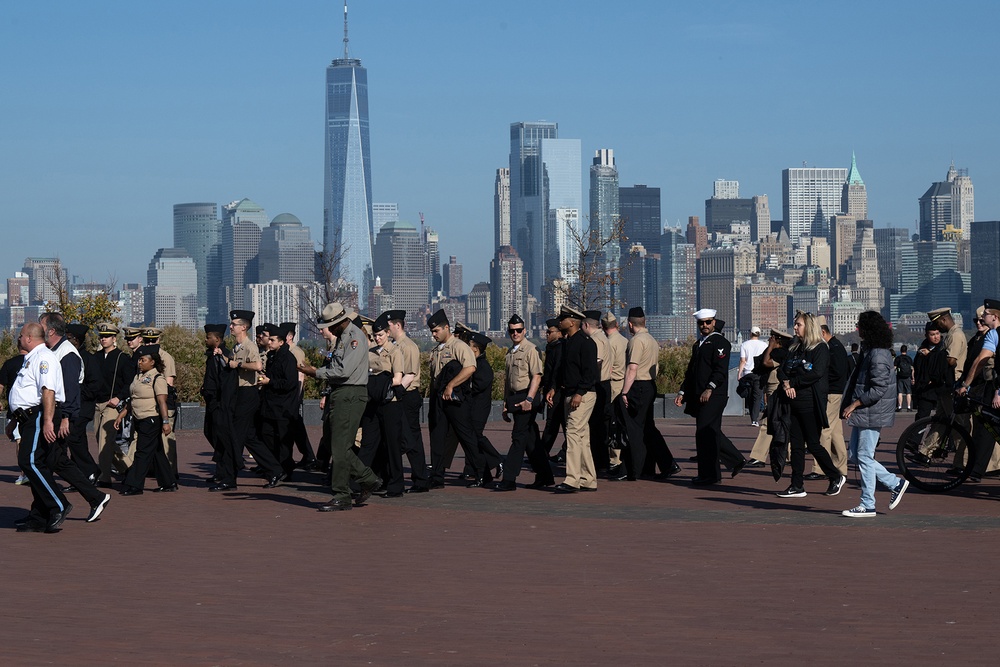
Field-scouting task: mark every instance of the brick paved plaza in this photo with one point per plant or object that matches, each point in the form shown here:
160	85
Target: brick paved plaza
643	573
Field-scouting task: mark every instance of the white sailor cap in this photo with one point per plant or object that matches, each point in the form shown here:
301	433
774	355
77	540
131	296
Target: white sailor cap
705	314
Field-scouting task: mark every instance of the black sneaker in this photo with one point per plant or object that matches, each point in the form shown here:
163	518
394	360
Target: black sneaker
835	487
792	492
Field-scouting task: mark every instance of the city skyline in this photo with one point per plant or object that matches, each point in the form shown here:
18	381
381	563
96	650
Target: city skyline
100	149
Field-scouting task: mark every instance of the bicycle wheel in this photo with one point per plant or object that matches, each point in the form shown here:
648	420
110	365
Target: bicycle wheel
926	454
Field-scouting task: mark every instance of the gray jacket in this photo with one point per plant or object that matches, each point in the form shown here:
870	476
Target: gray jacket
874	385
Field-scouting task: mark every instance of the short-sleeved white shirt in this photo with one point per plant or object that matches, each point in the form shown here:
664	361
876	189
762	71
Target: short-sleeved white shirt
40	370
751	348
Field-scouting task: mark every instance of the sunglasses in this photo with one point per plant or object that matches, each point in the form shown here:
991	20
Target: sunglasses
514	331
702	323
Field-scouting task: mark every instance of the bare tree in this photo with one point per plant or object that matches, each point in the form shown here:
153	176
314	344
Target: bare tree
330	287
597	275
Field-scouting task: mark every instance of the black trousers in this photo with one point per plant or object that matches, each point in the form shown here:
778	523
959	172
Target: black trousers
756	392
413	440
372	451
149	452
297	425
555	422
599	449
394	431
323	451
643	436
218	430
711	443
79	448
804	433
480	416
61	464
524	437
445	414
33	453
244	430
277	437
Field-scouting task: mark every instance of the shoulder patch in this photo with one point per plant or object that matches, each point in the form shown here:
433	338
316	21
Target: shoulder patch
354	344
43	367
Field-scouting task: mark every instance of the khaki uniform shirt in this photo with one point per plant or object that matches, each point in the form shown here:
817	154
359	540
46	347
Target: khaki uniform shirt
617	344
247	354
956	348
408	358
380	359
300	356
145	388
603	354
522	365
644	352
169	365
453	348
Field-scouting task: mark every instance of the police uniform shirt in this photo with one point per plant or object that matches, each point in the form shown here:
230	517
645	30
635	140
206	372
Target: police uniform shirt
145	388
348	363
246	353
523	364
453	348
40	370
603	352
409	361
644	352
956	347
169	365
617	345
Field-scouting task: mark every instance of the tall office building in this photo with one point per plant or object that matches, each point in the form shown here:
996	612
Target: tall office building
810	197
985	251
400	263
432	263
477	307
854	200
678	275
843	233
239	252
287	253
724	189
640	285
722	213
719	272
171	295
501	208
697	235
132	304
47	277
929	278
947	202
963	201
198	229
528	213
383	213
562	193
277	301
19	289
639	208
347	182
760	221
507	287
451	278
862	269
889	250
604	203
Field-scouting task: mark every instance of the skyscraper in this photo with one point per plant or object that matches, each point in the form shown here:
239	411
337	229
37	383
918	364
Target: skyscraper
400	262
639	207
47	277
451	277
562	192
347	183
383	213
723	189
507	289
286	252
240	249
198	230
810	197
947	202
501	208
854	201
432	262
604	202
985	267
889	250
171	295
528	214
678	275
862	269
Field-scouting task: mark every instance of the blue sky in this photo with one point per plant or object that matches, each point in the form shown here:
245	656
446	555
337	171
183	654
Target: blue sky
114	111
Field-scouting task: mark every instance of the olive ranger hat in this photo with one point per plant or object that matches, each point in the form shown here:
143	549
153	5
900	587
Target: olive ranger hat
334	313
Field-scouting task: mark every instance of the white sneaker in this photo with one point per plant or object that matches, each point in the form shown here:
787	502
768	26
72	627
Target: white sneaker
858	512
22	479
97	509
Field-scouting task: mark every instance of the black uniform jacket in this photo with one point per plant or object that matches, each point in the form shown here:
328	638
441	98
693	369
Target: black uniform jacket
709	363
280	394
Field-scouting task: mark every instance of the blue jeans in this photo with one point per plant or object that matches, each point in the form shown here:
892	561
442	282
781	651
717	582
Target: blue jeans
861	451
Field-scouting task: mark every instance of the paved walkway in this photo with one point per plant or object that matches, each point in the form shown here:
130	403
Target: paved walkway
635	574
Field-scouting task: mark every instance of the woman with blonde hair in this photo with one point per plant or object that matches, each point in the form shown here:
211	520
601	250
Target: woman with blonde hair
804	384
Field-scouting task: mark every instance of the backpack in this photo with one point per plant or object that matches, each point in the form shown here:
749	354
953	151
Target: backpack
904	365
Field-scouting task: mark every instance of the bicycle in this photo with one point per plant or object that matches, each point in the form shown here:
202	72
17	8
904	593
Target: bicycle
930	467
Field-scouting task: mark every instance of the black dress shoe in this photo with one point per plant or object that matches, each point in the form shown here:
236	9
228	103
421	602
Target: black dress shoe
737	468
615	470
335	506
754	463
22	521
558	458
814	476
436	485
417	489
393	494
307	465
705	481
70	489
674	469
368	490
588	488
212	480
166	489
56	519
31	527
621	477
276	481
130	491
540	483
505	486
222	486
476	483
565	488
256	470
693	458
499	473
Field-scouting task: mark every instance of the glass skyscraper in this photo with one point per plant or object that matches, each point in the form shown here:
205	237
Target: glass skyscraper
561	161
198	230
347	202
528	214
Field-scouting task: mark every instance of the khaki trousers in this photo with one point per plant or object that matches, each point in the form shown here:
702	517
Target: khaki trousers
616	391
108	455
832	437
762	445
580	470
170	443
945	408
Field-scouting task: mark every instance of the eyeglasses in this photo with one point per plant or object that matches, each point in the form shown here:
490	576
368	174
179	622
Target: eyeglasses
515	331
702	323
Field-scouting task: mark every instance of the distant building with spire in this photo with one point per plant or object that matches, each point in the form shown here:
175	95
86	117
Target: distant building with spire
347	182
854	201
